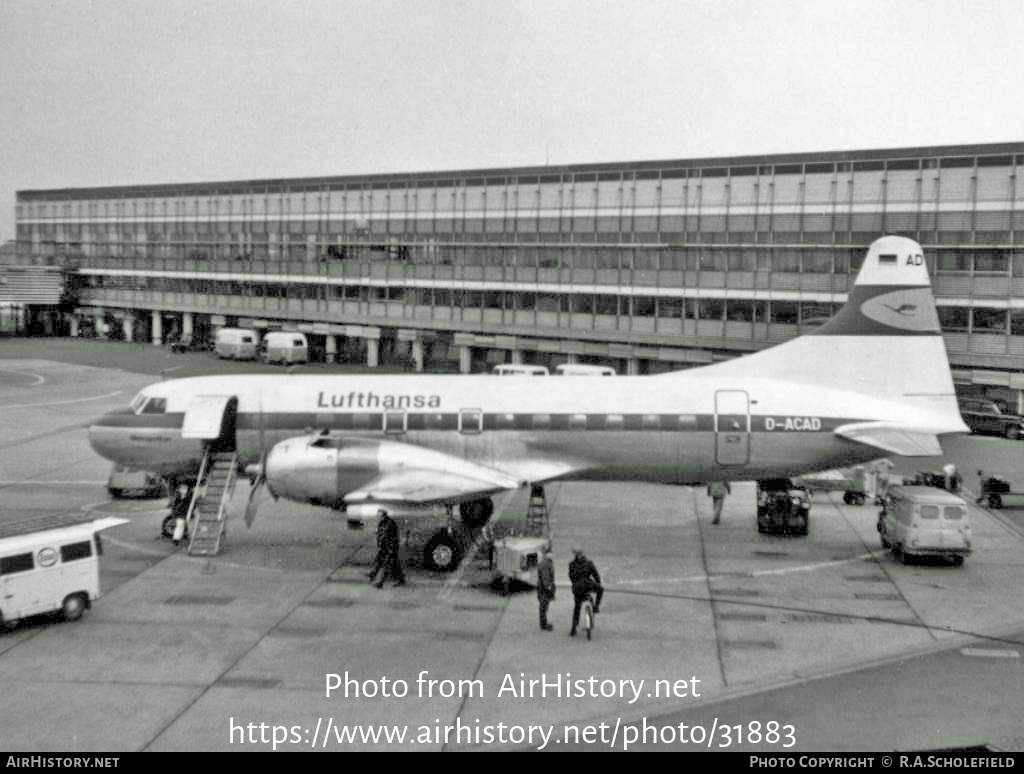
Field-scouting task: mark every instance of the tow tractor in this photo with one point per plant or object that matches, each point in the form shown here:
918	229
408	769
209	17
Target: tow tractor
516	556
783	507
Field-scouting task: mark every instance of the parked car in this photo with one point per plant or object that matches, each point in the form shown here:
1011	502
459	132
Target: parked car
985	416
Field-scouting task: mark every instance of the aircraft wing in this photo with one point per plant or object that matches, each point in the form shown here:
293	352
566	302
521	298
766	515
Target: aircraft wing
893	437
412	486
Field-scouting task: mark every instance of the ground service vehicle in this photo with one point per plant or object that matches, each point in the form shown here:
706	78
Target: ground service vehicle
50	564
581	369
984	416
132	482
509	369
783	507
286	347
236	343
925	521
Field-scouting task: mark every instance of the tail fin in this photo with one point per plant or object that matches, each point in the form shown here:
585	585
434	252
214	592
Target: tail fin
885	342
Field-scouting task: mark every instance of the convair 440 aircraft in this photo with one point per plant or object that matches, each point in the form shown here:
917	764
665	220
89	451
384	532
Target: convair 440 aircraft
873	381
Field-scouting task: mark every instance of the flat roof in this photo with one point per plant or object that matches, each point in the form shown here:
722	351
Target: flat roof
406	178
45	522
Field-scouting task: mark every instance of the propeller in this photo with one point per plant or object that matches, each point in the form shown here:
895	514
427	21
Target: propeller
258	483
260	478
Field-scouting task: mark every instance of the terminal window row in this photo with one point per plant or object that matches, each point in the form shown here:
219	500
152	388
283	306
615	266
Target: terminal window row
293	258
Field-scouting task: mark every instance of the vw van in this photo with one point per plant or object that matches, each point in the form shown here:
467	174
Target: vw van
50	564
511	369
582	369
236	343
286	347
925	521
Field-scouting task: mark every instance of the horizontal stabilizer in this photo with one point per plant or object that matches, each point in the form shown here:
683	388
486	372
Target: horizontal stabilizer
893	438
425	487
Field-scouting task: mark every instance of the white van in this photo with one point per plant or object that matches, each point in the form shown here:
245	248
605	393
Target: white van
580	369
925	521
286	347
509	369
236	343
50	564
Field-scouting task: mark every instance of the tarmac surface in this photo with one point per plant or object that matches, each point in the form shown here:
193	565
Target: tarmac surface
824	635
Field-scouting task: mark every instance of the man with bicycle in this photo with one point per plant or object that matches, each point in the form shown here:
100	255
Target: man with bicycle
585	579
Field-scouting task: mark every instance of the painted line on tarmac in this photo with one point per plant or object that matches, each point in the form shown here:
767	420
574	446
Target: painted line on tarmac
40	482
62	402
758	573
38	379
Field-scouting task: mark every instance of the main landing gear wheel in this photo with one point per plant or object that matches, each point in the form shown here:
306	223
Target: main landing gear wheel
442	552
476	513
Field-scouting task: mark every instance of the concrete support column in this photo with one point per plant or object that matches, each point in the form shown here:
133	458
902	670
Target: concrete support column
465	358
571	359
517	357
330	348
417	354
158	328
186	325
100	322
128	327
74	325
632	366
372	352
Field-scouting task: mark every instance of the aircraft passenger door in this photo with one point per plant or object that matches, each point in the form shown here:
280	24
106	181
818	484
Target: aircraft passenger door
211	418
732	427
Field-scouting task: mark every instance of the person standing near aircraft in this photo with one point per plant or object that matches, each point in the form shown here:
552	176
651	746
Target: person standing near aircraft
392	566
717	490
585	579
180	500
380	558
545	586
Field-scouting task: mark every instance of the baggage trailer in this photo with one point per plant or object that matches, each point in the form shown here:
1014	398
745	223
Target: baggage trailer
994	490
849	481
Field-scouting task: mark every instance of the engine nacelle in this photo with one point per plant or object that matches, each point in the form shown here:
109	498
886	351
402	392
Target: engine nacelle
319	470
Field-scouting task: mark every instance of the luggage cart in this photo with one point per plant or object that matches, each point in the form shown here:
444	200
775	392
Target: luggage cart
849	481
994	490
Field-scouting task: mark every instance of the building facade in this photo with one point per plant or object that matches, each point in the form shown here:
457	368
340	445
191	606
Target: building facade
646	266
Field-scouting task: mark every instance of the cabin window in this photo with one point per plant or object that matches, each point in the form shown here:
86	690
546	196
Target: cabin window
651	422
394	422
470	421
577	421
541	421
614	422
16	563
73	551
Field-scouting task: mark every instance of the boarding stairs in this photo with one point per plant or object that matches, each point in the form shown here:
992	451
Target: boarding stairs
207	515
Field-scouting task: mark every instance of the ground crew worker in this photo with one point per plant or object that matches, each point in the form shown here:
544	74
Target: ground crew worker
585	579
180	500
717	490
545	586
391	564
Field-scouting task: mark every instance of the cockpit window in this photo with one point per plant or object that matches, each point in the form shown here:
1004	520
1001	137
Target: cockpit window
155	406
137	402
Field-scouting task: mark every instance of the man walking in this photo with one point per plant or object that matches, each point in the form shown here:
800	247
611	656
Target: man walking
717	490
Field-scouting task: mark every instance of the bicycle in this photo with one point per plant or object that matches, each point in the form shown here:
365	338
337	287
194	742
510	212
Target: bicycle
587	614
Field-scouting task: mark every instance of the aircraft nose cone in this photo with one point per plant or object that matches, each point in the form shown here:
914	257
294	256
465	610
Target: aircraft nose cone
105	436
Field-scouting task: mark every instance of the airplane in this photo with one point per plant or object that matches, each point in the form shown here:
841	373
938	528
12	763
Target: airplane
872	381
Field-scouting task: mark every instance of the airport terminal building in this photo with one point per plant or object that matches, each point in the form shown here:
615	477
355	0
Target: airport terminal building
645	266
